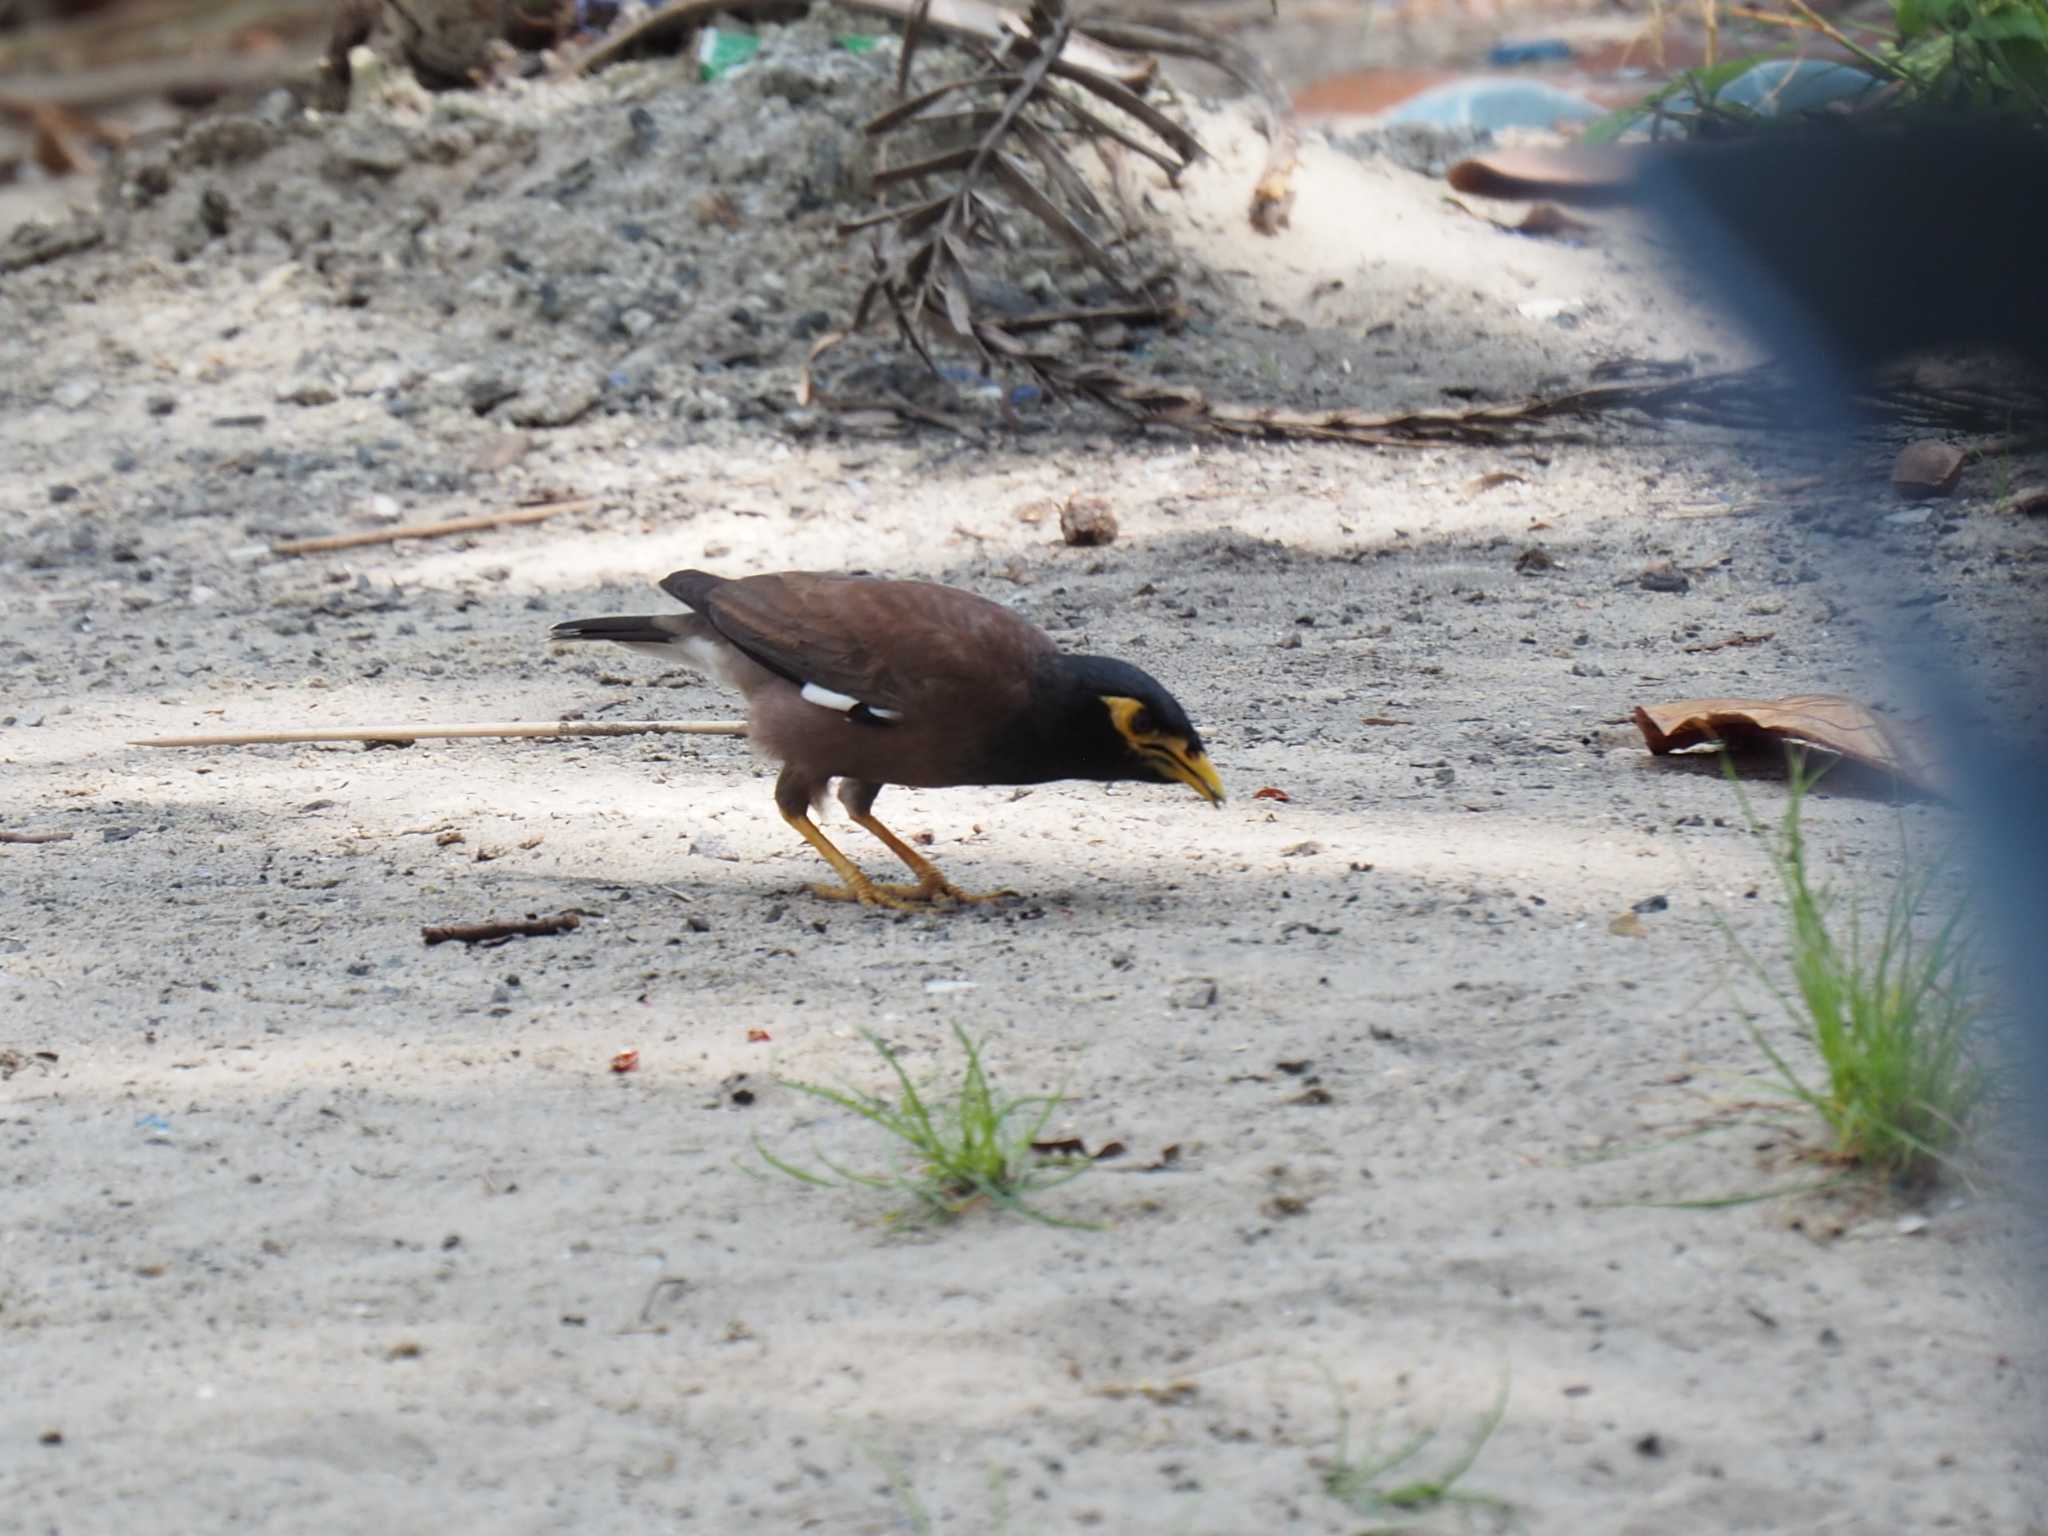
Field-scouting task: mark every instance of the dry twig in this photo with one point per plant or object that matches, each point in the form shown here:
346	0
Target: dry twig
411	733
498	932
508	518
35	837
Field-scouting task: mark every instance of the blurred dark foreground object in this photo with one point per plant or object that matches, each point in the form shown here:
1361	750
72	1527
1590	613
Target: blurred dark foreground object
1841	243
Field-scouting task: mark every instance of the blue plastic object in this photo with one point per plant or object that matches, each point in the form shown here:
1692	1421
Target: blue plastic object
1549	50
1795	85
1493	103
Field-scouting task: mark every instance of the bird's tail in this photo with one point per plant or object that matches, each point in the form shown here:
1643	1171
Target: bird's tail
680	639
629	629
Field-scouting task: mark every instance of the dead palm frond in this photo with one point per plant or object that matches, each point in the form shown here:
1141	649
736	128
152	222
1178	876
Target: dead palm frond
991	153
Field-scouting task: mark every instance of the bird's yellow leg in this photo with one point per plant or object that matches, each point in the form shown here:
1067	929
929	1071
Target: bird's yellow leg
858	886
930	883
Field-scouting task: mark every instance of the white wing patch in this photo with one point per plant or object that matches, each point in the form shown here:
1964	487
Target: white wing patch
813	694
826	698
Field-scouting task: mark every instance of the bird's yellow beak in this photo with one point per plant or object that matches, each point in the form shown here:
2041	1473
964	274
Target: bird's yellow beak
1194	770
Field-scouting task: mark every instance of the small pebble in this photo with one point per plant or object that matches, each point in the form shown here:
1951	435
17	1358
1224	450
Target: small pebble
1663	577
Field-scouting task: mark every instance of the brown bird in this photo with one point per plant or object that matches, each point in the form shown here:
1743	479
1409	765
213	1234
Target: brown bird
875	682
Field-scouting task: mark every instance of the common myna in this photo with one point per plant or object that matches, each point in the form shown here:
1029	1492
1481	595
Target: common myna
875	682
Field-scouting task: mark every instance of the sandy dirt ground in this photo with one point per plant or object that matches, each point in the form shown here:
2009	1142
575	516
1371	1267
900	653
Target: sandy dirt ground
311	1227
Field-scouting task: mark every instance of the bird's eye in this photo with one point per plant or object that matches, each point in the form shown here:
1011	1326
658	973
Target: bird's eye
1141	723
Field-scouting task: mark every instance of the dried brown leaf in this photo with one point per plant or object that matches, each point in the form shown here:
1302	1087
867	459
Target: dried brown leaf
913	33
1822	719
1493	480
1927	468
1547	219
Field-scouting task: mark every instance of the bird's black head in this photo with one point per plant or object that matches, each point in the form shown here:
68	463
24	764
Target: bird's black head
1123	725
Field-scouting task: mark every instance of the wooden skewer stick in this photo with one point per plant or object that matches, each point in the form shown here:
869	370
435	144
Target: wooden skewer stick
507	518
35	837
451	732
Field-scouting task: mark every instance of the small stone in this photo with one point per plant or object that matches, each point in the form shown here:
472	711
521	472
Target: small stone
364	147
1193	992
1588	669
74	393
308	392
502	452
554	399
1303	850
483	392
216	213
1086	521
59	494
162	405
1535	561
1663	577
1652	904
31	243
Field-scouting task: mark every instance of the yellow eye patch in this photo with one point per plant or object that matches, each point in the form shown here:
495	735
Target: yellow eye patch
1133	721
1170	756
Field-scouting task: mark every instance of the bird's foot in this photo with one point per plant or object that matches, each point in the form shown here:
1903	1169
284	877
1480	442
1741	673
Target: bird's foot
897	898
939	887
922	897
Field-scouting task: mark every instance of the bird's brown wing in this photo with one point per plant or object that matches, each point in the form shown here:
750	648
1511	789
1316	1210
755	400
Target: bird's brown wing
911	647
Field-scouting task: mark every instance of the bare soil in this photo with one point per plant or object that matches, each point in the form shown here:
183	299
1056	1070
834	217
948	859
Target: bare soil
311	1226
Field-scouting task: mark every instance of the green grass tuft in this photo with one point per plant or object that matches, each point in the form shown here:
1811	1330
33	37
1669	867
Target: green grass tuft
972	1149
1890	1013
1361	1484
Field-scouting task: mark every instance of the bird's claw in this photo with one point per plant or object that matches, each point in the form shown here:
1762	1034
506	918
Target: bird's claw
868	894
925	896
952	892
